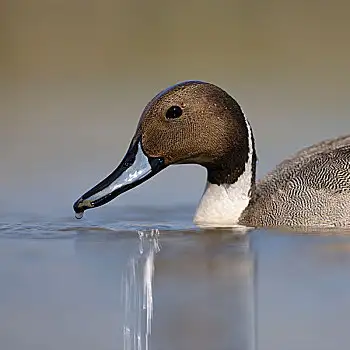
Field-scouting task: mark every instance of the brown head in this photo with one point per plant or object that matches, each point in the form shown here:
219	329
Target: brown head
191	122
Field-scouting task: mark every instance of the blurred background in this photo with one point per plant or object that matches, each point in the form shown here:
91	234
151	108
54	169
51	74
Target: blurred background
75	76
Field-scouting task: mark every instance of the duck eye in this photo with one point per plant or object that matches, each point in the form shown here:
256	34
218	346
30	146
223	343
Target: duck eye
173	112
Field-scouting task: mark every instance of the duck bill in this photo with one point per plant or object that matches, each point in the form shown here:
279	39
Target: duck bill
134	169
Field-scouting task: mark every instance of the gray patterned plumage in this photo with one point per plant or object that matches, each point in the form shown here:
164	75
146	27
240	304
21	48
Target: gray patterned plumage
310	189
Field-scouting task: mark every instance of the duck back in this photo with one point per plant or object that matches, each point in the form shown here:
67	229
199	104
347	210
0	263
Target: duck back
312	188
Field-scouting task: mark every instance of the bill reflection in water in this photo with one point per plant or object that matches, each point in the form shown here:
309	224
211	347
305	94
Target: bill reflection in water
198	291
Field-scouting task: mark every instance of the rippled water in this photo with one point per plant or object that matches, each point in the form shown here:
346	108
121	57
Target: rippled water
146	278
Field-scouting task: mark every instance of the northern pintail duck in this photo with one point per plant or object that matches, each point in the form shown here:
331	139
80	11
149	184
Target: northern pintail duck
195	122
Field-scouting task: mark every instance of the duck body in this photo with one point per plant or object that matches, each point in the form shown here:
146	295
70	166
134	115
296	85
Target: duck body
311	189
199	123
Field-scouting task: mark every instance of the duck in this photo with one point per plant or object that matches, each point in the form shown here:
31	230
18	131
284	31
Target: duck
196	122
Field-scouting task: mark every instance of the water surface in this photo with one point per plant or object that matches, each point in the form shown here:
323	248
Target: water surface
137	278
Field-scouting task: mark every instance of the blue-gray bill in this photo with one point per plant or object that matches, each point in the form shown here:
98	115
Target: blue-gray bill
135	168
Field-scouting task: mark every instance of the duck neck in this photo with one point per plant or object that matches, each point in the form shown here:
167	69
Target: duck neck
229	188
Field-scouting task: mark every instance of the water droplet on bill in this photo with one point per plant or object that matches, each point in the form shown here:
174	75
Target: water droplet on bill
79	215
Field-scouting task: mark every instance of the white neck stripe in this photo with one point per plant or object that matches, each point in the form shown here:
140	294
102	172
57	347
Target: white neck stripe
222	205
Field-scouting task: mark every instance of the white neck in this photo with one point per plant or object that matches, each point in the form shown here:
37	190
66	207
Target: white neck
222	205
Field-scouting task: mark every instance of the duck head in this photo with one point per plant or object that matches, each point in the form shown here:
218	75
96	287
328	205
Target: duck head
192	122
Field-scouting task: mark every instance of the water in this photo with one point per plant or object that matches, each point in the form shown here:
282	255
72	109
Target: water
138	302
148	279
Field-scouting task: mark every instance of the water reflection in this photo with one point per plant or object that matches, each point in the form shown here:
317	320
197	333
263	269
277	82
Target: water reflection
137	292
203	293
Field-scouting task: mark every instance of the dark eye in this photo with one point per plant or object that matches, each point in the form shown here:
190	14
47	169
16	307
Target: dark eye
173	112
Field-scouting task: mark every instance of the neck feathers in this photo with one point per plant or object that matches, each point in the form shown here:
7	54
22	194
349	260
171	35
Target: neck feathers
223	203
